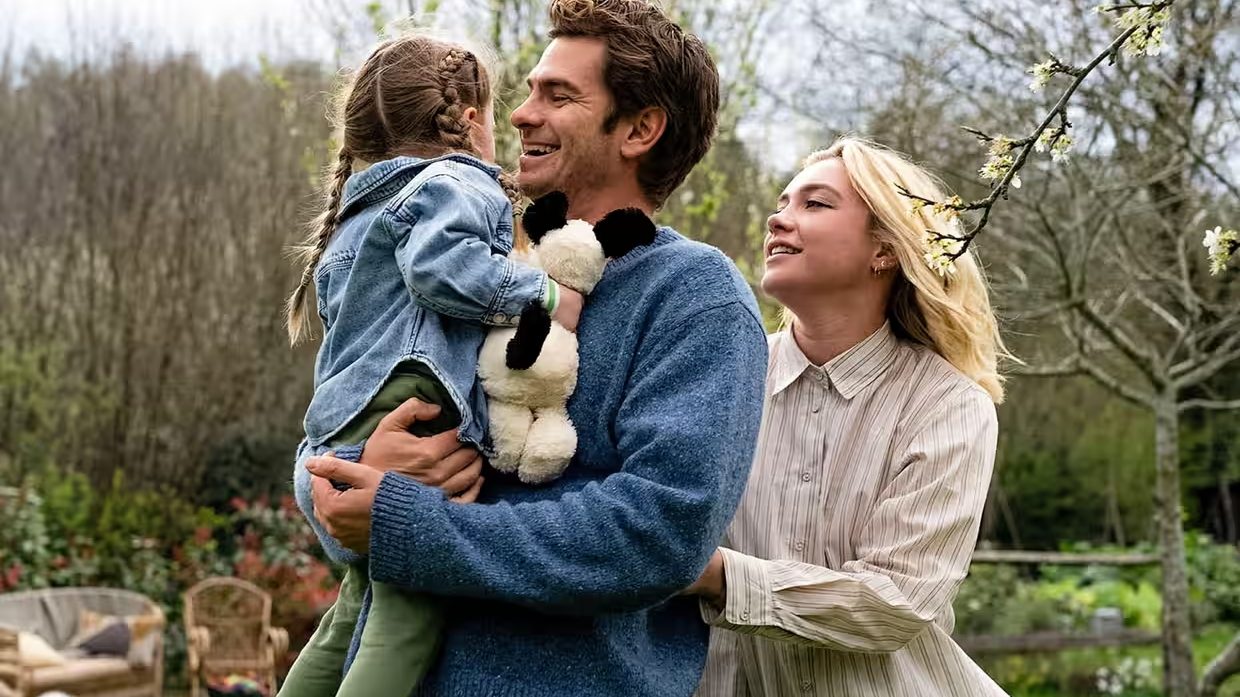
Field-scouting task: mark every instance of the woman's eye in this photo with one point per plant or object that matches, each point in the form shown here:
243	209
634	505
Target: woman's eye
816	204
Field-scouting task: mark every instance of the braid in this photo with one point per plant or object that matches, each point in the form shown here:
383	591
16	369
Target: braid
451	122
508	181
310	251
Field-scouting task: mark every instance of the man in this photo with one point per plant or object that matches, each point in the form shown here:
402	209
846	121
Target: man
573	588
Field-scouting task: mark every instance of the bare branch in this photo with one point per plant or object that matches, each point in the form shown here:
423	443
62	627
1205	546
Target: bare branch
1108	381
1138	356
1209	404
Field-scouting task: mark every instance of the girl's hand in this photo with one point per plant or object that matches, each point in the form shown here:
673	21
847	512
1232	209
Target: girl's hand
568	312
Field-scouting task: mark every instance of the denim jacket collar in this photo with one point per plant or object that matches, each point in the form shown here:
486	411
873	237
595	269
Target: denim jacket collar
382	180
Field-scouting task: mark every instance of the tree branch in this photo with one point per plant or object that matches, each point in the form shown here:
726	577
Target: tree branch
1209	404
1123	342
1108	381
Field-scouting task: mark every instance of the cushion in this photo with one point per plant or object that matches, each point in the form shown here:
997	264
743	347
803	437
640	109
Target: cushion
134	638
34	651
97	672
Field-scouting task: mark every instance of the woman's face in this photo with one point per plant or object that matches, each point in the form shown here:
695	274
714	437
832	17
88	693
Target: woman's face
818	241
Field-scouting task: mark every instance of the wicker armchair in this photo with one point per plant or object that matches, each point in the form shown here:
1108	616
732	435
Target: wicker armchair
228	630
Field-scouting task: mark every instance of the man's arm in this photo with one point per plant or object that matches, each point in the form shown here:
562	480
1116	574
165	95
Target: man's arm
439	460
629	541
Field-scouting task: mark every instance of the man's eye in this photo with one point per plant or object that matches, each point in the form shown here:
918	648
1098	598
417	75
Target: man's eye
559	98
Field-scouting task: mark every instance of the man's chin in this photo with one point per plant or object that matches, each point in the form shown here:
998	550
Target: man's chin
533	187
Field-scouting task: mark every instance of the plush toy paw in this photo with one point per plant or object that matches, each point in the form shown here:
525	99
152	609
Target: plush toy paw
549	447
510	427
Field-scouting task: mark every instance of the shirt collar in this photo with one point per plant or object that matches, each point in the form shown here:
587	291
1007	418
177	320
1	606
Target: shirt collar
384	179
850	372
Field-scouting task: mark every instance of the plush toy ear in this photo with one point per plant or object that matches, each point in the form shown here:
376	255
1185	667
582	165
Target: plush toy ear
527	343
547	213
619	232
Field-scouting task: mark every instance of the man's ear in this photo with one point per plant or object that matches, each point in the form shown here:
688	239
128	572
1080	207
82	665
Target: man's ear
644	130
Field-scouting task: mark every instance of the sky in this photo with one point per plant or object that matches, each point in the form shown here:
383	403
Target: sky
227	32
222	31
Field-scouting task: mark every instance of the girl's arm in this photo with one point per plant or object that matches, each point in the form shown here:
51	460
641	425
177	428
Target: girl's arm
443	231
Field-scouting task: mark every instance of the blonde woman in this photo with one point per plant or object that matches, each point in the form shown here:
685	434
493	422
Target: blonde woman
837	574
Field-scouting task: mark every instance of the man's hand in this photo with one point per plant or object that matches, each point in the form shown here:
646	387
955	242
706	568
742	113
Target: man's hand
439	460
344	514
712	584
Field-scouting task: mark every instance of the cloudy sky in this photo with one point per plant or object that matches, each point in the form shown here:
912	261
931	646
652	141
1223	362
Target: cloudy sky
220	30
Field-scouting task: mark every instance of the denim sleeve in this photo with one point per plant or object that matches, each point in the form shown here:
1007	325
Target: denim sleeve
444	231
301	492
686	429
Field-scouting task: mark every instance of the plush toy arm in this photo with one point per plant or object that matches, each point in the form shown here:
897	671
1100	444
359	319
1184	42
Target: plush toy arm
527	343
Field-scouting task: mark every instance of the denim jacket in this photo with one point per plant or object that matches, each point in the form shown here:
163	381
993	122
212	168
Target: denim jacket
416	269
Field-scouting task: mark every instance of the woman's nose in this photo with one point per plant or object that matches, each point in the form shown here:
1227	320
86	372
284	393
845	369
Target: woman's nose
777	221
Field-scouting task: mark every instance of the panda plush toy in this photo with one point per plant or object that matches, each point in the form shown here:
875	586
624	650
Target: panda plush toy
528	372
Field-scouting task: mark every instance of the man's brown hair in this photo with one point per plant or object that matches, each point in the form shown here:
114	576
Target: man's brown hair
651	62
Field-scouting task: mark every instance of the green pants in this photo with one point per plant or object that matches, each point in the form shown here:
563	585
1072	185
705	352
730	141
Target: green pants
402	631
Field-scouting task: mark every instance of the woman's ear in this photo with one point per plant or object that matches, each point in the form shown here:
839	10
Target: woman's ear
884	260
644	130
473	115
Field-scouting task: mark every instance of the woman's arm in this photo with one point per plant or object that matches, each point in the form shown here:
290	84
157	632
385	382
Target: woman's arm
913	551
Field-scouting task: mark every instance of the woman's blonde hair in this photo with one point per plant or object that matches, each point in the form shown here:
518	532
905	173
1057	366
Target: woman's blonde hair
951	315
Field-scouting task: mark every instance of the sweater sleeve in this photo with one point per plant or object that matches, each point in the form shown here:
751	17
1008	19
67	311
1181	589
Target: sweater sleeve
685	428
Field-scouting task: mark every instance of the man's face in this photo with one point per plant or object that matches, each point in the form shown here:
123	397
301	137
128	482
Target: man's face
563	146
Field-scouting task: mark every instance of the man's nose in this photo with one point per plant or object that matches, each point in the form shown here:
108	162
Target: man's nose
523	116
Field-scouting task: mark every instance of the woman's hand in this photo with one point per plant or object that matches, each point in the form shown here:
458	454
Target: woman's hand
713	583
439	460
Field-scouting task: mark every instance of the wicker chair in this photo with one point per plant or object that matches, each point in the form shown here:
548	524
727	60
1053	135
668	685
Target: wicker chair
228	630
53	614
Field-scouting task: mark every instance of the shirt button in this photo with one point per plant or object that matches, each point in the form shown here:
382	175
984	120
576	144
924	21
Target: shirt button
501	318
805	476
800	546
745	616
806	685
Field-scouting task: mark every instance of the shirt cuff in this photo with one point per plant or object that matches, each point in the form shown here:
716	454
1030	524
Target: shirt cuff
551	296
749	601
521	286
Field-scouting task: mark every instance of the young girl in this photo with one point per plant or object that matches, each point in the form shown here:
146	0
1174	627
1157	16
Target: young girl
409	264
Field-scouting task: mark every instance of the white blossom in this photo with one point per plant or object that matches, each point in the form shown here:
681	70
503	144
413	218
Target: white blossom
1041	73
1221	245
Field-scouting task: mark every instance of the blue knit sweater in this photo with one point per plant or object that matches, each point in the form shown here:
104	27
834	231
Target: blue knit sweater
571	588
